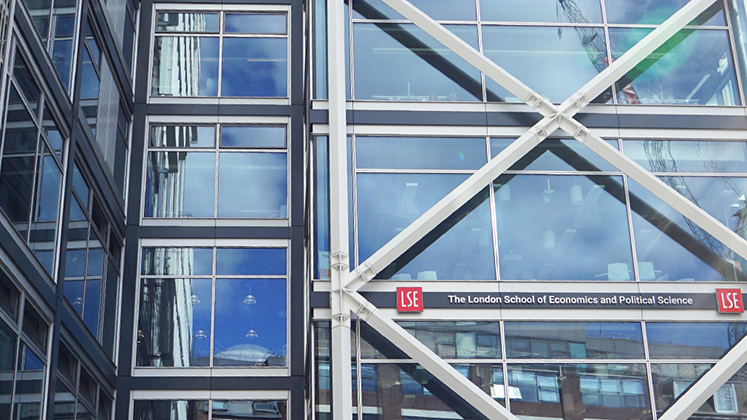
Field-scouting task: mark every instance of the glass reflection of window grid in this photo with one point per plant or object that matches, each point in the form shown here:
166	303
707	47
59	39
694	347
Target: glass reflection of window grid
250	182
226	46
31	170
253	280
504	15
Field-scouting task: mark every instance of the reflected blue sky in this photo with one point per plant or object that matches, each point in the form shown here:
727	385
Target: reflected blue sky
251	261
253	185
420	153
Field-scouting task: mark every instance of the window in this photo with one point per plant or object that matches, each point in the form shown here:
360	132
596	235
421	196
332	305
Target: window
92	269
77	393
211	54
55	20
219	409
392	60
243	289
244	175
31	169
23	362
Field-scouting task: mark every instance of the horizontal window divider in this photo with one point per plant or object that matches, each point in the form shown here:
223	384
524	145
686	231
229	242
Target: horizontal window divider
413	171
581	173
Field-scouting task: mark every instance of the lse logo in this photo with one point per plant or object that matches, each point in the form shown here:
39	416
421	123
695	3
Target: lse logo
410	299
729	300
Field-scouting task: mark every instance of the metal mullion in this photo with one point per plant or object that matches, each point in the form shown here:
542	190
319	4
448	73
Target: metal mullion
478	18
221	23
416	171
351	60
649	375
631	228
14	384
35	181
607	41
576	361
504	365
354	198
544	24
358	367
212	308
216	183
562	173
734	55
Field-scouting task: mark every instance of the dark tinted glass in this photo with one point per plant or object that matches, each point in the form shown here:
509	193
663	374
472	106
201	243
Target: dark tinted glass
420	153
683	340
456	340
253	136
255	23
250	322
251	261
248	408
573	340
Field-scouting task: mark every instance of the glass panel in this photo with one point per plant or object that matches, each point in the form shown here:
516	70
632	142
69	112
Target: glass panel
255	23
487	376
322	378
671	247
654	13
671	380
266	59
253	136
174	322
64	403
688	156
39	11
559	391
92	303
738	20
17	169
460	249
253	185
451	339
579	11
321	209
187	22
390	390
546	224
177	261
74	293
89	88
401	62
320	49
80	185
251	261
7	362
9	296
573	340
35	327
694	67
111	288
556	155
26	81
436	9
249	409
198	54
680	340
27	400
62	53
182	136
46	209
250	322
180	184
170	410
420	153
578	54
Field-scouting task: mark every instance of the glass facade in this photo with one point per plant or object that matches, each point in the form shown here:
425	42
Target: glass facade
195	224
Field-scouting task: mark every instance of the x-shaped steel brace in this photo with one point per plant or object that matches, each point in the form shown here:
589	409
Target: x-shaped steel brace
554	117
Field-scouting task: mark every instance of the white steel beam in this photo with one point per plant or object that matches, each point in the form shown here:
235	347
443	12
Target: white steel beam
708	384
340	366
462	386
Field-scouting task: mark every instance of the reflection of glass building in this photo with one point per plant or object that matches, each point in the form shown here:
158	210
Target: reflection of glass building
206	209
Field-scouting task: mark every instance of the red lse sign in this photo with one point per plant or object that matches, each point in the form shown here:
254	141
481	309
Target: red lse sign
729	300
410	299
